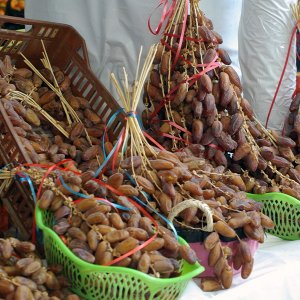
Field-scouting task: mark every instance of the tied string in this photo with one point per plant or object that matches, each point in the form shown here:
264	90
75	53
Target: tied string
151	239
113	154
283	71
147	196
191	80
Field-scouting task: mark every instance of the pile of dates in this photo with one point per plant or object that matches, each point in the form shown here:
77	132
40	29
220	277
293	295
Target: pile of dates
211	111
99	234
41	139
24	277
175	177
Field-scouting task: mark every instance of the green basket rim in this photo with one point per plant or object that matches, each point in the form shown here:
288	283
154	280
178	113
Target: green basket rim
281	196
284	229
197	268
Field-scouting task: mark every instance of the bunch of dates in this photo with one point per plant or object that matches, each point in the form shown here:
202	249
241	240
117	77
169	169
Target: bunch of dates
99	234
24	277
43	142
209	109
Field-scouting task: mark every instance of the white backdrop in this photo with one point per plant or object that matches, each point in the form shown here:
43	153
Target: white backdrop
114	30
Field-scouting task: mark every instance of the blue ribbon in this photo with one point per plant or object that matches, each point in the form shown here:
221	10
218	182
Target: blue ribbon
27	179
110	121
106	160
170	224
118	206
80	195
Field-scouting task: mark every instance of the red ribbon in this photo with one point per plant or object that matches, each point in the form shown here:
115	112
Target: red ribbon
173	137
191	80
50	168
96	198
174	51
166	12
216	147
175	125
283	71
144	212
47	173
297	89
158	145
186	7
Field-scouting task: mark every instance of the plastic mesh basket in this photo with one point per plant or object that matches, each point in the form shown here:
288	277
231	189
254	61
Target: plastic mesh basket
94	282
284	210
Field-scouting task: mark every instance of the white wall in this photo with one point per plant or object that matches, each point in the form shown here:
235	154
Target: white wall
114	30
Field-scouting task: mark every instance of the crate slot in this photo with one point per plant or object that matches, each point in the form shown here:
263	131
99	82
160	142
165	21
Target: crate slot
107	113
81	84
41	31
14	48
4	46
10	46
68	68
93	98
80	53
48	31
98	105
78	81
86	90
54	33
21	46
117	128
73	72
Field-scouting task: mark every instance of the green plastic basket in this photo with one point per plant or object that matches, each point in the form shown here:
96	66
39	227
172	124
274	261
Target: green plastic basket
93	282
284	210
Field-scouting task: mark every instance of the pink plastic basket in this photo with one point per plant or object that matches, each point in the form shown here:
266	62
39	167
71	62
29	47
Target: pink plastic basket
202	254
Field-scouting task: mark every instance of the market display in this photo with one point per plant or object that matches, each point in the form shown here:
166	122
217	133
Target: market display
121	200
24	276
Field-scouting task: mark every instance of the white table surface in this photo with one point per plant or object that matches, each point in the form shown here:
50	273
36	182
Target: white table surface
275	276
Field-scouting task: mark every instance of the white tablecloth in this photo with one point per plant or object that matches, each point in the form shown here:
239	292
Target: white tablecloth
276	276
